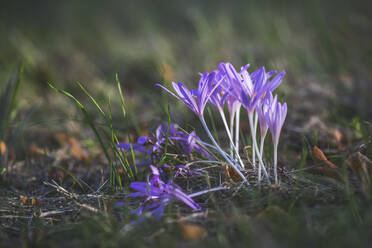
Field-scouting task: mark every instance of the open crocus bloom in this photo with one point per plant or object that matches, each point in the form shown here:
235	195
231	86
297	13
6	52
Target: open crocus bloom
205	89
154	146
157	194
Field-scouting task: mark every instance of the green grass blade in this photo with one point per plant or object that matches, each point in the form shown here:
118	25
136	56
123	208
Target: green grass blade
91	124
92	98
121	95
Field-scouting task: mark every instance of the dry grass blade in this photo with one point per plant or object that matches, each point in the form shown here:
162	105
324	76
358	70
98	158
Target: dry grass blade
73	196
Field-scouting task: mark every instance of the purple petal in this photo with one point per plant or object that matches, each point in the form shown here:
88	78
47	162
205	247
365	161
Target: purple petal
142	140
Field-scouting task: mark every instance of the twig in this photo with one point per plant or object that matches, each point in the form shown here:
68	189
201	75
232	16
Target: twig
72	196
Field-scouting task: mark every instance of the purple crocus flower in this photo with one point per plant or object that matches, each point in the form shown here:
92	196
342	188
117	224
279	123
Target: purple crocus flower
261	76
218	98
205	89
241	87
192	144
233	104
249	89
140	146
158	194
261	110
251	94
154	146
275	115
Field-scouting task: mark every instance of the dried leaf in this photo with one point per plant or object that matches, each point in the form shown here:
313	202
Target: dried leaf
30	201
326	167
320	157
359	163
34	150
231	174
318	154
339	139
362	167
192	232
74	146
273	186
3	148
61	138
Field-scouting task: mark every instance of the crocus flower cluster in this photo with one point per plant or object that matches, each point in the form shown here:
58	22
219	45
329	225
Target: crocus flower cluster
252	91
156	194
154	146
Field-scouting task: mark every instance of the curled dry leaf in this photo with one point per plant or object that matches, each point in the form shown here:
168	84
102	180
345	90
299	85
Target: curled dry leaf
30	201
273	186
361	165
320	157
74	146
231	174
326	167
192	232
339	139
34	150
3	147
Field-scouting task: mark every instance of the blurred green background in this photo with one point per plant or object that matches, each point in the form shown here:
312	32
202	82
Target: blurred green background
324	46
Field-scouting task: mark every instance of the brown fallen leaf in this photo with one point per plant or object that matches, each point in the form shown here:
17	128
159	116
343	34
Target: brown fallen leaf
361	165
339	139
74	146
320	157
34	150
231	174
273	186
192	232
326	167
30	201
3	148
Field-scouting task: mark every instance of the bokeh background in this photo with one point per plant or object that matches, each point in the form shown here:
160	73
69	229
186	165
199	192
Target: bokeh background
324	46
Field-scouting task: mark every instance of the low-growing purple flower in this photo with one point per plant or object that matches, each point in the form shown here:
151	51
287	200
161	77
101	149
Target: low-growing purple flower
195	100
140	146
154	146
157	194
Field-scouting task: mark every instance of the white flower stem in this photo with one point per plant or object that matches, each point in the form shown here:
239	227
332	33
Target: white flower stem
221	151
253	132
230	138
232	116
215	148
207	191
254	144
261	153
237	122
276	162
